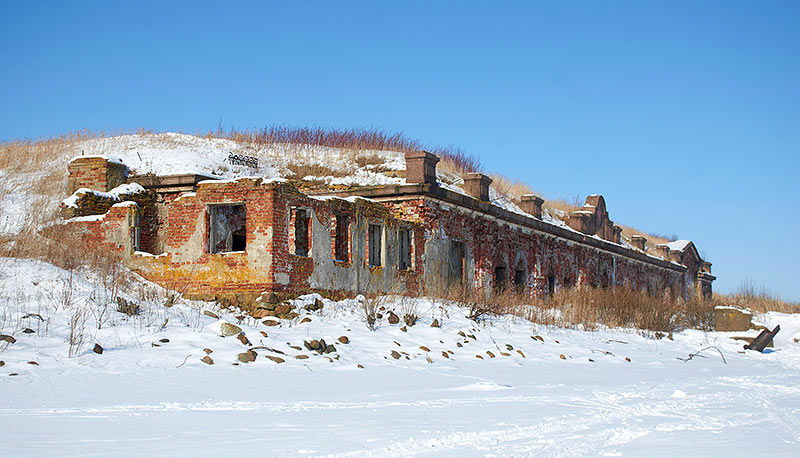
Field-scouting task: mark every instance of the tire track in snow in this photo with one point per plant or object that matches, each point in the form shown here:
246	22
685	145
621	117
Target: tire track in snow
572	435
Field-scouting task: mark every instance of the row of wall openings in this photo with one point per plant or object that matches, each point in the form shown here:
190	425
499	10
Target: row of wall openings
375	247
227	228
501	276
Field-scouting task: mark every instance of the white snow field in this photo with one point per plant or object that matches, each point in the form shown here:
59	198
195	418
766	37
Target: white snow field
138	399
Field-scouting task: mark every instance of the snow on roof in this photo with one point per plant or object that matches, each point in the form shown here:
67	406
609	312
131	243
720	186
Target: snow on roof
85	218
114	194
678	245
250	177
111	159
734	307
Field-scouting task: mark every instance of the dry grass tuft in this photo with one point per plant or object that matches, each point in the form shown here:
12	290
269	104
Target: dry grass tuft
757	299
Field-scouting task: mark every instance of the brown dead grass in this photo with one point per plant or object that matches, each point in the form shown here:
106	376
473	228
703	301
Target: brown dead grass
757	299
586	308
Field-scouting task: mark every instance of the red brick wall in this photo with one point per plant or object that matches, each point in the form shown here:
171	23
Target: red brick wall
491	242
95	172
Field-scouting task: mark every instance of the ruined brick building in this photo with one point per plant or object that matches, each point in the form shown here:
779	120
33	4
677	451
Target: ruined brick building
214	237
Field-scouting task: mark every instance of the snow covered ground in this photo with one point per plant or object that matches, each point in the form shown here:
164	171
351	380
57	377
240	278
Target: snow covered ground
144	396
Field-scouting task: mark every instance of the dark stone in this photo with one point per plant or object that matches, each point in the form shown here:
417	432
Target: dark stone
7	338
393	319
344	340
243	339
28	331
207	359
435	323
98	349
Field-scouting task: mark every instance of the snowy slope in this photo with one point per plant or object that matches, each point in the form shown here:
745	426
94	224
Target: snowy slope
145	396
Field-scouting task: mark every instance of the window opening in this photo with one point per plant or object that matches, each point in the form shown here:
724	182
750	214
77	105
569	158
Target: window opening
227	231
519	276
136	225
301	238
342	239
551	285
405	249
457	262
500	276
375	236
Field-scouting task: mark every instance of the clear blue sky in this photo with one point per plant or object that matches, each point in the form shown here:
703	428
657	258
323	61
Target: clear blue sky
684	115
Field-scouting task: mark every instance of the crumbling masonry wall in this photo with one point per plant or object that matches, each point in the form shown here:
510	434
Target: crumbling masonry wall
546	261
269	236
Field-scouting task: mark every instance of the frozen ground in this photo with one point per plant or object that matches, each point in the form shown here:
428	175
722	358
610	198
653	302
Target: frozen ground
137	399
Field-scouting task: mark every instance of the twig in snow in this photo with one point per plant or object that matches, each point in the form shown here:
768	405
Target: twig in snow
184	361
692	355
603	352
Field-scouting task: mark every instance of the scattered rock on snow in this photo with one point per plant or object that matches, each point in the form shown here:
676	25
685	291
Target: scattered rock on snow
211	314
243	339
491	355
264	333
444	354
301	356
247	357
164	340
271	322
344	340
33	363
424	348
207	359
520	353
562	356
305	320
228	329
395	355
276	359
2	363
98	349
7	338
393	319
435	323
208	351
28	331
627	359
317	305
360	366
330	348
